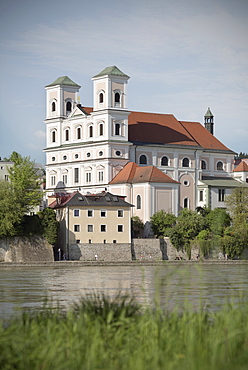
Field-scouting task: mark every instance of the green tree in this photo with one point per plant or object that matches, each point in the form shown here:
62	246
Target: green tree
50	225
24	180
137	226
10	211
218	220
161	222
237	205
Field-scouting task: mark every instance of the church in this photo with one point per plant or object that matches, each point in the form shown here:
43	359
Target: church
154	160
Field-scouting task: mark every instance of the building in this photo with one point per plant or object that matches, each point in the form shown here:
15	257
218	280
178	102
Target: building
89	149
100	218
4	172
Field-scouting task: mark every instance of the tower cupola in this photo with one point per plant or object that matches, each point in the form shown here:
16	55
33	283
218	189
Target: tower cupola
209	121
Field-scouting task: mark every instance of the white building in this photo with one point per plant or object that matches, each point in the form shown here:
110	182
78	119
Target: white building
86	148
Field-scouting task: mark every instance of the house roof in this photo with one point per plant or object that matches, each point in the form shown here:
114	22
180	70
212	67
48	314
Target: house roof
111	71
64	80
242	167
165	129
76	199
227	182
132	173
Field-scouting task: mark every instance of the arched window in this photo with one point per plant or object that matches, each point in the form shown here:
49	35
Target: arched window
117	98
219	166
100	129
67	135
185	162
143	159
79	133
138	202
68	106
164	161
185	203
53	106
101	97
53	136
91	131
117	129
203	165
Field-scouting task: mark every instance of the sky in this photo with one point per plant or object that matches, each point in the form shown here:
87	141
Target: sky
182	57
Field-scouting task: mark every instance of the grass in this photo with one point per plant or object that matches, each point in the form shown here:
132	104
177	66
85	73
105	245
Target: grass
103	333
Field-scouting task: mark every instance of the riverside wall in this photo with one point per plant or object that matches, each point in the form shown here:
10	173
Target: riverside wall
25	249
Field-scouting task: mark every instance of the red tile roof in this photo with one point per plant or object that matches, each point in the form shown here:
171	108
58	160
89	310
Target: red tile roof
242	167
132	173
155	128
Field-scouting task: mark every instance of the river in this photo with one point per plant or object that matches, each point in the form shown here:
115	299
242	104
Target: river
207	285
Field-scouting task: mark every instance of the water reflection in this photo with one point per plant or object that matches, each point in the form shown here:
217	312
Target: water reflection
171	285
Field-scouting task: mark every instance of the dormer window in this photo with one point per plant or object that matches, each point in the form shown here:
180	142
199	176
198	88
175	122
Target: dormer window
53	106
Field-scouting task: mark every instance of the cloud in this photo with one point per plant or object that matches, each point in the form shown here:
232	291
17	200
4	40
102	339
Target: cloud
40	134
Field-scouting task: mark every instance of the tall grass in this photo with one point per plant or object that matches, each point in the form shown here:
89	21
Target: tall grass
103	333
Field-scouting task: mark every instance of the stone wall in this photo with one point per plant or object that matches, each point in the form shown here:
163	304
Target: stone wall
104	252
24	249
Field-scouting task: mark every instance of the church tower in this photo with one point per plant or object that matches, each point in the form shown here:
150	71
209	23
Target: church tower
209	121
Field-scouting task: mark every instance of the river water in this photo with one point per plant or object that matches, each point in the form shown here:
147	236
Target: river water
207	285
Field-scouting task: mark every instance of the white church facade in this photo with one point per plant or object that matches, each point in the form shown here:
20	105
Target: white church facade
154	160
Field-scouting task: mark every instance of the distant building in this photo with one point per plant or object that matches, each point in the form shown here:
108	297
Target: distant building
4	166
92	218
154	160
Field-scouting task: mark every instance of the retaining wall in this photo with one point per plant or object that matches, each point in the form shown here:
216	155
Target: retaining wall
23	249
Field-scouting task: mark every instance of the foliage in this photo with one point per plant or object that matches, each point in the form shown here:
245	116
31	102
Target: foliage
241	155
50	225
24	179
203	235
234	241
161	222
237	205
118	336
10	212
137	226
29	225
218	219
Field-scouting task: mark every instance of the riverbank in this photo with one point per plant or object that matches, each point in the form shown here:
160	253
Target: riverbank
121	263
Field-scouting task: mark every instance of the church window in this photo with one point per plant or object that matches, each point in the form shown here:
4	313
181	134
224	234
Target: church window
91	131
101	97
143	159
185	203
53	106
64	157
203	165
117	97
100	153
53	159
100	176
53	180
68	107
76	156
79	133
164	161
118	153
100	129
138	202
76	175
53	136
201	196
219	166
88	177
65	179
185	162
67	135
117	129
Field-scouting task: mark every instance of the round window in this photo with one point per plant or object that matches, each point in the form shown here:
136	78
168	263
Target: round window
64	157
76	156
88	154
53	158
118	153
186	183
100	153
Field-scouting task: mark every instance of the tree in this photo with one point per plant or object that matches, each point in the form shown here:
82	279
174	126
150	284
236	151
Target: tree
237	205
241	155
10	211
50	225
24	180
161	222
218	220
137	226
